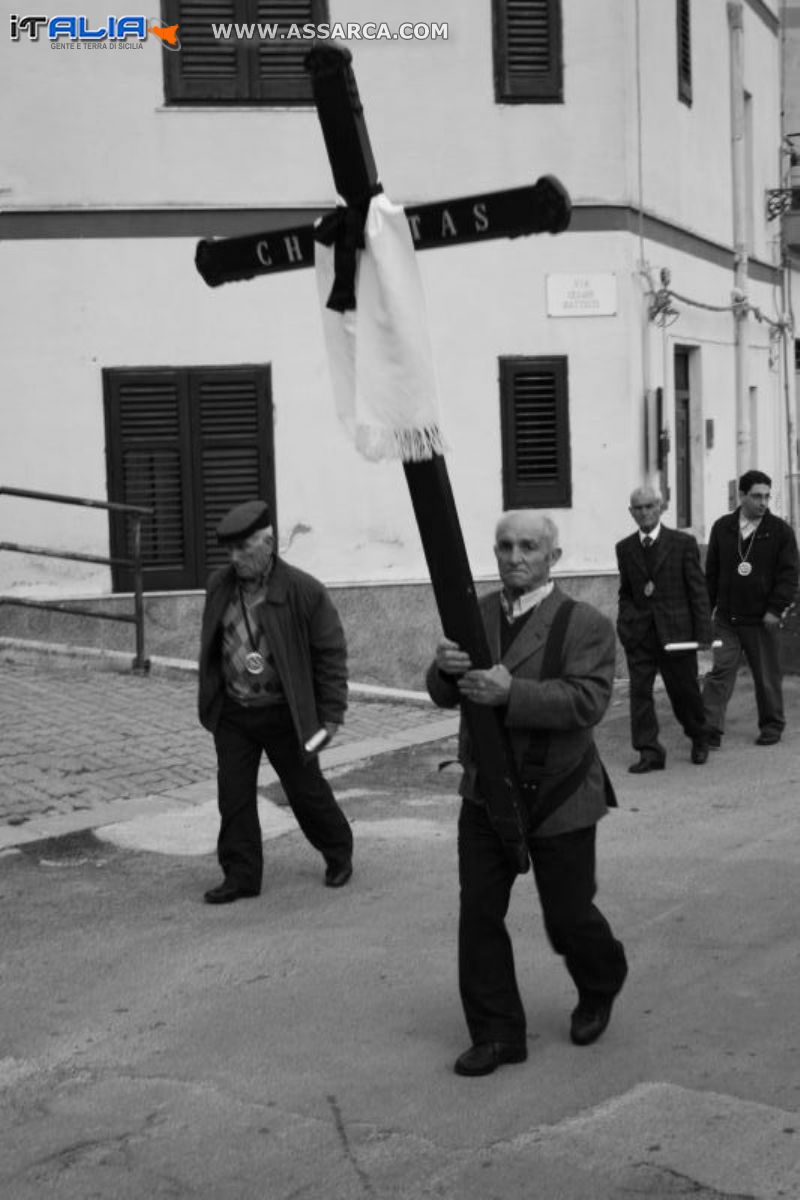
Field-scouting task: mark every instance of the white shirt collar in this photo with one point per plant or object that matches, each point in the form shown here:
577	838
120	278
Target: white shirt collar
653	534
523	604
748	524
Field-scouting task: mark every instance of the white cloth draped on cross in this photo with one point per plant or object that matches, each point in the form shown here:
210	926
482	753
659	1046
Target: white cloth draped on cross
379	354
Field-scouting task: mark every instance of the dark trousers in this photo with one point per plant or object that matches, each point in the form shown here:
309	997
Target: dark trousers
242	735
564	871
679	672
760	646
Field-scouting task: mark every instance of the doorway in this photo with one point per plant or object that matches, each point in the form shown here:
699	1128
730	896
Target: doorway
683	440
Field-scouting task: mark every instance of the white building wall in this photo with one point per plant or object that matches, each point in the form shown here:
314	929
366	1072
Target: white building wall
713	384
92	132
103	136
140	303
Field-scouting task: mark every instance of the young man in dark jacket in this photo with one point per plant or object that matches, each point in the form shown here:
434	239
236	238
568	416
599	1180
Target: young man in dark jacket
272	675
751	572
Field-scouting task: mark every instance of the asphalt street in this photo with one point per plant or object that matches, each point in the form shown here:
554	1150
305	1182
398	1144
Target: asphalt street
300	1045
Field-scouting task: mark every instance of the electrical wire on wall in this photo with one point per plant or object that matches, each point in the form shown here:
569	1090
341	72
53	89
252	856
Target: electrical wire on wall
663	312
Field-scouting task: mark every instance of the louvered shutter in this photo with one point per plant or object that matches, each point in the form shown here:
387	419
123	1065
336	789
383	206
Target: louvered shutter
205	68
243	70
147	453
191	443
232	428
278	72
684	51
535	433
527	51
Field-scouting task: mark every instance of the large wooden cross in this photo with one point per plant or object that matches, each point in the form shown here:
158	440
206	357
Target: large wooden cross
542	207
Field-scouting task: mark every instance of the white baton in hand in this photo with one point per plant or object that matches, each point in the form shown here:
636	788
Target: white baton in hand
693	645
317	741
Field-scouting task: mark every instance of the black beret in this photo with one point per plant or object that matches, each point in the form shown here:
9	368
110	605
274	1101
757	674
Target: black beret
243	520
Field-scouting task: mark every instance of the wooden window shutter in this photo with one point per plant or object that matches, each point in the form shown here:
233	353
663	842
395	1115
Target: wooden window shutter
190	442
147	454
684	51
535	433
278	71
232	430
205	69
242	70
527	51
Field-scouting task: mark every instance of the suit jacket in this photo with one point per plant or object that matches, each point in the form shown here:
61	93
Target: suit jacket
678	608
566	708
772	584
305	639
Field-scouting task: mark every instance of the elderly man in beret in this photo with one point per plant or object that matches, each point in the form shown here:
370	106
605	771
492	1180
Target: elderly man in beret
272	680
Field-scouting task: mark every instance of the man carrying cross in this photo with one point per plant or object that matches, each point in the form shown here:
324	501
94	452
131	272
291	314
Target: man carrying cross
552	682
384	385
380	355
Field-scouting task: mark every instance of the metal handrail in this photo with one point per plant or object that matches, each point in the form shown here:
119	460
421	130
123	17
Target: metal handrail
136	511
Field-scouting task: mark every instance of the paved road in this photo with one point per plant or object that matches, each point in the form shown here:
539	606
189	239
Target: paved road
299	1046
76	737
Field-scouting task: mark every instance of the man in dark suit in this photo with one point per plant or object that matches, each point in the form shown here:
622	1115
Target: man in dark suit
662	598
550	722
272	675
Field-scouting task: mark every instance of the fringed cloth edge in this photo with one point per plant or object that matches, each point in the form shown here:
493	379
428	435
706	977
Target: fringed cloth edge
409	445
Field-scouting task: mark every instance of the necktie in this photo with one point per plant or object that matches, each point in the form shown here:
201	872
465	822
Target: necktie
647	542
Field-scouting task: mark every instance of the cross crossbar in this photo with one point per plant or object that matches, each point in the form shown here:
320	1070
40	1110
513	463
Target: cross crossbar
542	207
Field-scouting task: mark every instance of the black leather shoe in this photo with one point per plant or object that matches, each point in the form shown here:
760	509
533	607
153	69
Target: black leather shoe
714	741
486	1057
227	892
699	753
768	739
338	874
646	764
590	1019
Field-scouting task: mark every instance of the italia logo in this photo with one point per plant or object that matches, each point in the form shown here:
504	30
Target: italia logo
168	35
80	29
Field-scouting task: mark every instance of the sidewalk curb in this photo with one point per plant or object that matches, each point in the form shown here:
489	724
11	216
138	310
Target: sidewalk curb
119	660
199	800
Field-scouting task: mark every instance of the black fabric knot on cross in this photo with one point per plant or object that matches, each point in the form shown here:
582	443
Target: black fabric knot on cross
343	228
